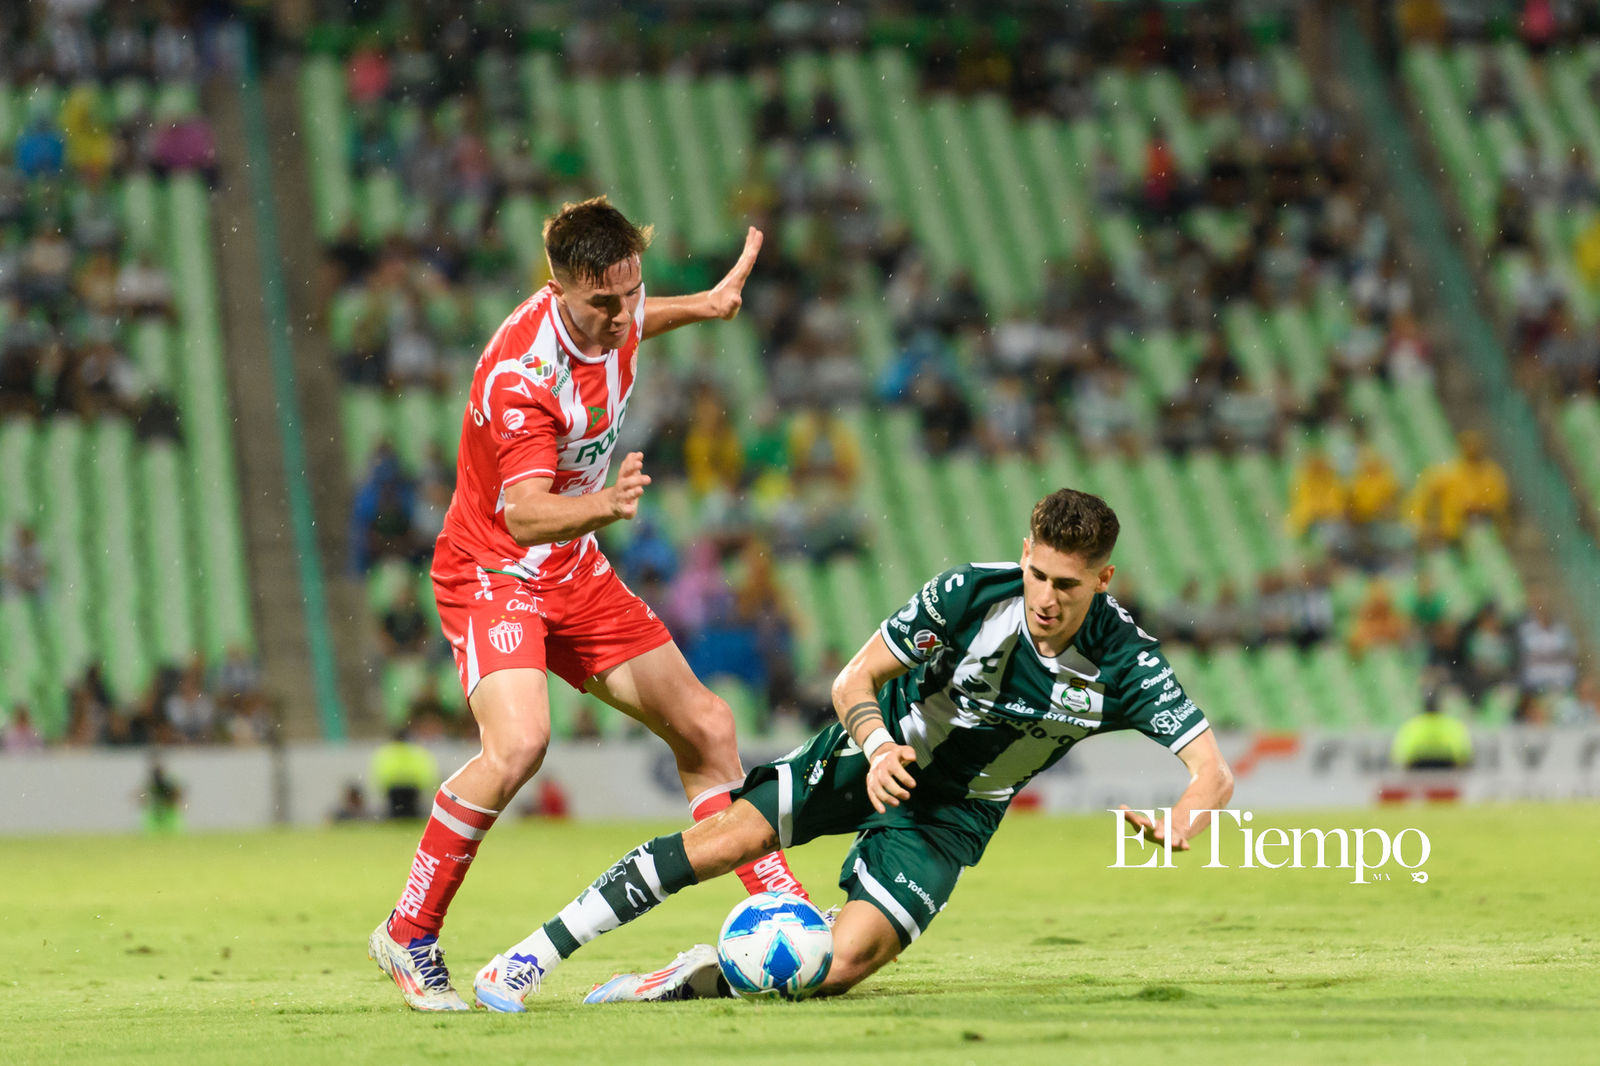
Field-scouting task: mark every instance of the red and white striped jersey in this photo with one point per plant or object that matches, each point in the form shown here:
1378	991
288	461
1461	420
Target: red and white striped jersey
538	408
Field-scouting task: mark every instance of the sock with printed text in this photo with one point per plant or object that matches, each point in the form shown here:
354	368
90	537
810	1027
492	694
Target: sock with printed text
770	873
448	846
633	885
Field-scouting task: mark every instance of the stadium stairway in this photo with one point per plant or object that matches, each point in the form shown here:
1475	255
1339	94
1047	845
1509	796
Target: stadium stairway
1549	546
269	547
317	395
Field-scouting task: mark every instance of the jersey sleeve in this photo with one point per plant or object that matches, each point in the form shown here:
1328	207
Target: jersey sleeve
925	623
1149	696
525	422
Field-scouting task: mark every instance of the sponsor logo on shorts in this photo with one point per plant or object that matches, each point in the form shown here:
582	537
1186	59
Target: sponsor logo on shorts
920	892
530	604
506	636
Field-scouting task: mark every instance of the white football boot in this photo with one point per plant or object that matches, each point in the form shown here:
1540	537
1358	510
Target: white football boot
505	983
418	970
694	974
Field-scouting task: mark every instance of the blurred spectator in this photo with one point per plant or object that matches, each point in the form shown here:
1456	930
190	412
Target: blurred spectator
20	734
1488	654
162	801
713	456
762	606
1181	619
822	447
1373	501
237	679
352	805
405	629
1425	605
380	520
1317	505
143	288
185	143
26	570
403	772
190	711
945	416
1432	740
1313	615
1378	623
1275	606
1451	494
1104	414
1547	654
649	554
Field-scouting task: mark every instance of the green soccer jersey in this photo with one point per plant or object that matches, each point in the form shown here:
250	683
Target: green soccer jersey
985	711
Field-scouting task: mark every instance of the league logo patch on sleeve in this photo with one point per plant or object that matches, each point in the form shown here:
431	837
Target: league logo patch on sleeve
925	641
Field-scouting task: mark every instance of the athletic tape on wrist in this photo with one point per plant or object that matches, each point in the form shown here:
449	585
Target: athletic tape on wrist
875	740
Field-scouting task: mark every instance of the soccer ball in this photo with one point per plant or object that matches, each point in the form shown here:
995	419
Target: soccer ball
775	945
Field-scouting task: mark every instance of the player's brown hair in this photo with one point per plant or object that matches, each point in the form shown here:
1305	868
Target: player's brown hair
584	240
1076	523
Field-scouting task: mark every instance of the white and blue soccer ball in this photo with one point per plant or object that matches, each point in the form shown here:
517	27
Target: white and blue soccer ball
775	945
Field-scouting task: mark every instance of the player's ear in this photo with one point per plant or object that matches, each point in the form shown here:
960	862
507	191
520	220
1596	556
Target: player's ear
1027	547
1103	579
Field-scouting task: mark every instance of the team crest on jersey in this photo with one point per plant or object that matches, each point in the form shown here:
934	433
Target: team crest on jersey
925	641
1077	696
506	636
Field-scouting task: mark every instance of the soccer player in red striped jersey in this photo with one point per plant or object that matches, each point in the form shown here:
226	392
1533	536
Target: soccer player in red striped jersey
522	586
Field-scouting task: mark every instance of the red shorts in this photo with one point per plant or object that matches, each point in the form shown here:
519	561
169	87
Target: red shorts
576	629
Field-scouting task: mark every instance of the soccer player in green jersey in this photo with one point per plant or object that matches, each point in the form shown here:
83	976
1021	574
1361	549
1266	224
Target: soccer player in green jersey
986	677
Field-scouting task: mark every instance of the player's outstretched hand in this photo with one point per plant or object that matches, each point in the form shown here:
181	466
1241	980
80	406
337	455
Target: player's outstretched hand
631	481
1155	831
888	780
728	295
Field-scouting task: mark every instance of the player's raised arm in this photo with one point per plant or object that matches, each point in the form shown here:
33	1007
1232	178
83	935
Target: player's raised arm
535	515
855	701
722	300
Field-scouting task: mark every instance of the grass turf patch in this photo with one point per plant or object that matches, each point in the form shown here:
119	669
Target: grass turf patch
251	948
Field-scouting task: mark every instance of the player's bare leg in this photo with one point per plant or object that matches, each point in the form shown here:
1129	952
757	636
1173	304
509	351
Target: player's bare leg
864	941
512	711
660	690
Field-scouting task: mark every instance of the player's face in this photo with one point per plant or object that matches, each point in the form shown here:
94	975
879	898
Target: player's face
1057	589
600	314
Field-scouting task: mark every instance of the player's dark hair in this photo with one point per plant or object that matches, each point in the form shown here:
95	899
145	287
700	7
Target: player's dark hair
1076	523
584	240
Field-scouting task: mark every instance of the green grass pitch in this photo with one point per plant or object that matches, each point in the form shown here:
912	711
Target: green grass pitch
251	948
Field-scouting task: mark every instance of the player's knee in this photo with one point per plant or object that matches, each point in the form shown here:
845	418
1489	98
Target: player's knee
515	759
707	731
851	966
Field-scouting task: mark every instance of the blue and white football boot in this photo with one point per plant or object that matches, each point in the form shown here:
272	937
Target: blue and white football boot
418	970
694	974
505	983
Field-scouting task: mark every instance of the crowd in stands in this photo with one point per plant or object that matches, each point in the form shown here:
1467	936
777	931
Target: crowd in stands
183	705
94	98
1276	216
